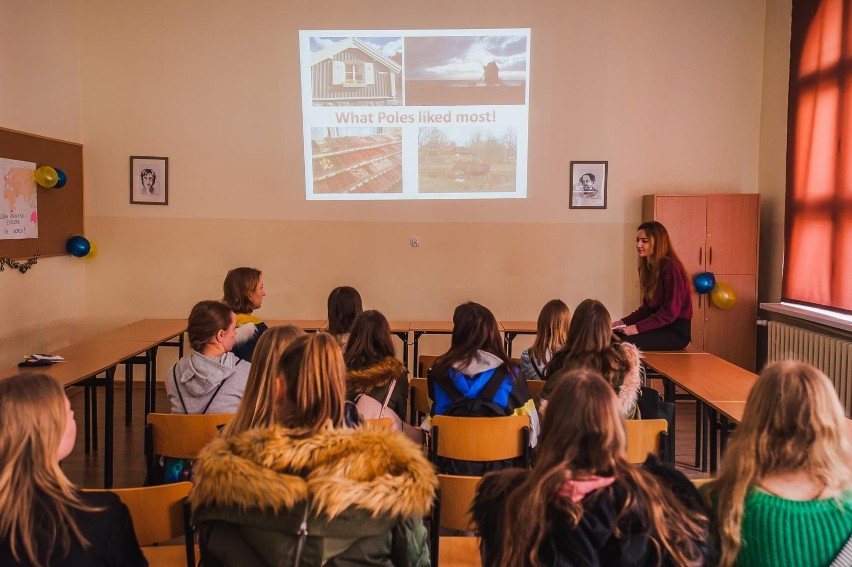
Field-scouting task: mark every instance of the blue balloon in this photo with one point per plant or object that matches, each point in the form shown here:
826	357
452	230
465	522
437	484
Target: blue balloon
704	282
62	178
78	246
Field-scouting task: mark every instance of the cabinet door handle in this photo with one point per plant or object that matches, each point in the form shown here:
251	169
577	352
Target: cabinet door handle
710	256
700	249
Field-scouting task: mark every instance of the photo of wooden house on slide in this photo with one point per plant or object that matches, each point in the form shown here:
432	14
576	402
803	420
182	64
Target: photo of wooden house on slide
356	160
355	71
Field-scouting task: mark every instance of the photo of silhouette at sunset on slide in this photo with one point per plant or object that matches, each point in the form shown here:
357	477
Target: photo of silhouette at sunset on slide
466	70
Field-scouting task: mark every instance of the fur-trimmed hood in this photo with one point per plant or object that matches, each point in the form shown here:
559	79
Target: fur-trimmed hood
275	468
628	393
377	376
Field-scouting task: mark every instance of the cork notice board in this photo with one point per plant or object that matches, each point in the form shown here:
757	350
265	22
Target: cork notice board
60	211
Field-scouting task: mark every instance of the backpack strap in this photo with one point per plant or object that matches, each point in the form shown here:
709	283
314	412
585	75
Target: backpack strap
388	397
535	367
494	383
445	382
213	397
844	556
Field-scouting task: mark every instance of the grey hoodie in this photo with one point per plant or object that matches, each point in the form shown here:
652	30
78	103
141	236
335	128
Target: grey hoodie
197	376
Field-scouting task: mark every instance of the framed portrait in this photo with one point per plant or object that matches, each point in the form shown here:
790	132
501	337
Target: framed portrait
149	180
588	185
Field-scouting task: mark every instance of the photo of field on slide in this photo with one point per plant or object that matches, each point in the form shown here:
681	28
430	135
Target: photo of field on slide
466	70
356	160
456	159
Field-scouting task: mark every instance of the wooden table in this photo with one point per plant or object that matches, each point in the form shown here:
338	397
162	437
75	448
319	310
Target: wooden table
307	325
420	328
84	361
719	386
401	330
512	329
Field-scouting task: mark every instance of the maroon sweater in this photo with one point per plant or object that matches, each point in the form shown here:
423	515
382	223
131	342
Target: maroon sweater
672	301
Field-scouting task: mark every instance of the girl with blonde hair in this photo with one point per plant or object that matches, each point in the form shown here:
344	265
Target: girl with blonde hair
44	519
583	503
310	491
551	333
257	408
784	493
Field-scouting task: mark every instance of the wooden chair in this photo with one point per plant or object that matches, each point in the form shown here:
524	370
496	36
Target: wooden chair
699	482
459	552
418	400
424	363
181	436
471	439
161	513
535	387
645	436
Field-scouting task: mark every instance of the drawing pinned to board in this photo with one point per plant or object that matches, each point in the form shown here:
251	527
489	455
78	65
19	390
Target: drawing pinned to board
19	206
149	180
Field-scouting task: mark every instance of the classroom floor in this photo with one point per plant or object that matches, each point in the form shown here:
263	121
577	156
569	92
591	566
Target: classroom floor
87	470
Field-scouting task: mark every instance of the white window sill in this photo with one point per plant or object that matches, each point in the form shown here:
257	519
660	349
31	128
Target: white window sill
813	314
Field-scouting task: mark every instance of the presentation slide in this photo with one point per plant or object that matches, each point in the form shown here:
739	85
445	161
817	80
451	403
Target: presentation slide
418	114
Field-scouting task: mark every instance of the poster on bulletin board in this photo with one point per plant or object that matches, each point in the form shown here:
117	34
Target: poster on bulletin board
19	205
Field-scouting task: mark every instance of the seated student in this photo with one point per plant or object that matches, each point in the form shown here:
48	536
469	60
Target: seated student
591	344
257	407
44	519
583	503
475	378
210	379
374	370
783	496
244	293
310	491
344	304
551	332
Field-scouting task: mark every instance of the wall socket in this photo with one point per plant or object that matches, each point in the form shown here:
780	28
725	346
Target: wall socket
414	241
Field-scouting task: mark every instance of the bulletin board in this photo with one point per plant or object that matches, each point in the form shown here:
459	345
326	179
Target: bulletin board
60	211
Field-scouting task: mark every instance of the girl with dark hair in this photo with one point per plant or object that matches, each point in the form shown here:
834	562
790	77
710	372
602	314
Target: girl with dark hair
210	379
663	321
44	519
309	491
583	503
374	370
344	304
551	332
476	378
591	344
244	293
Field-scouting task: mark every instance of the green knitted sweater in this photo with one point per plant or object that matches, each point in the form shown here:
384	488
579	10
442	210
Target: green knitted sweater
787	533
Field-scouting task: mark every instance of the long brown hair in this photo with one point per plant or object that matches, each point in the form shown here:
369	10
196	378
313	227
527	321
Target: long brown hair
314	383
551	330
369	342
257	406
589	343
793	421
474	329
344	304
238	283
36	498
651	266
588	438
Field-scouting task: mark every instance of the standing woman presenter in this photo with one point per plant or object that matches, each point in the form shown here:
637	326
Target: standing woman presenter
663	321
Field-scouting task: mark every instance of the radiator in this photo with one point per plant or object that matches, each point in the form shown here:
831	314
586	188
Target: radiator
831	355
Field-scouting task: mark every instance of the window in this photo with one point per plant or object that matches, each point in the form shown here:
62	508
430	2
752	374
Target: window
353	73
818	240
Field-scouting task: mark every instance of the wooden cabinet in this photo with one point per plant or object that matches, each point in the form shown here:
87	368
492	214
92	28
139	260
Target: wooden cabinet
718	234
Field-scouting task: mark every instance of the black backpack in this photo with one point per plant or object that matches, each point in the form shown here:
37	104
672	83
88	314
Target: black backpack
481	406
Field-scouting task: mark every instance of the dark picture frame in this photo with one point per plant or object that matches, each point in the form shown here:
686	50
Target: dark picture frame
149	180
588	184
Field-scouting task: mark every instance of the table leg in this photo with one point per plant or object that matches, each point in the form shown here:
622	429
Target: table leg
713	445
87	420
108	426
128	391
416	341
403	336
152	377
510	336
669	396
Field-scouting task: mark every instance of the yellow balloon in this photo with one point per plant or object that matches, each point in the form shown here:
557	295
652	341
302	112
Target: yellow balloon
93	251
46	176
723	296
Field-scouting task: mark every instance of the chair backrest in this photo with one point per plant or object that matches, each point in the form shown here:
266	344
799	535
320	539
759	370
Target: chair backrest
379	423
183	435
699	482
481	438
457	494
424	363
418	399
157	511
645	436
535	387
